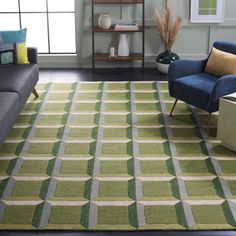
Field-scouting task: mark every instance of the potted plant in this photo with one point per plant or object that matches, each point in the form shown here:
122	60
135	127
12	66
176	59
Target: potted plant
168	29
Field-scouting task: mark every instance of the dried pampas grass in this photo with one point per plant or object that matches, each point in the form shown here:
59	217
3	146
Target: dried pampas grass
167	27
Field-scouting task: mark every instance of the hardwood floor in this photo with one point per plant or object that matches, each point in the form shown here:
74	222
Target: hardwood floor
74	75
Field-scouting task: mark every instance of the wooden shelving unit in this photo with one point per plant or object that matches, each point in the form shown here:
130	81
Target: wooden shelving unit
105	57
98	29
95	29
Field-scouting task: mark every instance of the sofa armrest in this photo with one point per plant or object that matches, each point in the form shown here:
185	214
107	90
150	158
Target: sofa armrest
32	55
182	68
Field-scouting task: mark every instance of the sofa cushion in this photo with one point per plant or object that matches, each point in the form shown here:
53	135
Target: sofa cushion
19	78
9	109
195	89
17	40
18	52
21	52
7	54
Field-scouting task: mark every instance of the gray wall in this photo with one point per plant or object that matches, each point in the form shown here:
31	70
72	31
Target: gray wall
194	40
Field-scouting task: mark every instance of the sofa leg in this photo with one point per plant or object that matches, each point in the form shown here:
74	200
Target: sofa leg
176	100
35	93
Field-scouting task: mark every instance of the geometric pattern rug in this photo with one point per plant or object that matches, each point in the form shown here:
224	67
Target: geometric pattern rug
107	156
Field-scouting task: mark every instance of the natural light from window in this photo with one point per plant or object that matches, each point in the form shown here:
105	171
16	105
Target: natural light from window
50	23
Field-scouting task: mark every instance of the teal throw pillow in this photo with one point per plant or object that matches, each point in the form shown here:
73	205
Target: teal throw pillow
16	36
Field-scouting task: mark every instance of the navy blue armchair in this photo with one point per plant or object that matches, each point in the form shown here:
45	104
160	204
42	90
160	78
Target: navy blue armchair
188	82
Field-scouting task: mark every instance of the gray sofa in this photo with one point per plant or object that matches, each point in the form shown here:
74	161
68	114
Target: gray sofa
17	82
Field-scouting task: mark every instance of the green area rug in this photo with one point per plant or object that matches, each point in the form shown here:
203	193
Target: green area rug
106	156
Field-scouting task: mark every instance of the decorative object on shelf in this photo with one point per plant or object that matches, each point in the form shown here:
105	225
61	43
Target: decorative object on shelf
168	30
207	11
112	52
104	21
123	48
133	26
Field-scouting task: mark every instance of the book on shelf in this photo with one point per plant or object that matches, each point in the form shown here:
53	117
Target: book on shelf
128	26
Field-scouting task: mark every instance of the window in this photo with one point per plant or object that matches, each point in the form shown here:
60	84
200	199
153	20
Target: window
50	23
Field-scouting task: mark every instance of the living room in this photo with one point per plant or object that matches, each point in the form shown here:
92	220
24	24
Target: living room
117	117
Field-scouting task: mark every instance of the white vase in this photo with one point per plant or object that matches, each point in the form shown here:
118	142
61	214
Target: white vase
123	48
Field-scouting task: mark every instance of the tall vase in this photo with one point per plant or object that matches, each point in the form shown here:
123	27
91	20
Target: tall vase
123	48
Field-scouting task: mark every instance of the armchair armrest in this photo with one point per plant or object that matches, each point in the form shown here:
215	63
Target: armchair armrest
225	85
182	68
32	55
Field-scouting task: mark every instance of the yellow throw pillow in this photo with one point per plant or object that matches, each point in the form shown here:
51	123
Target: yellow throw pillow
221	63
22	56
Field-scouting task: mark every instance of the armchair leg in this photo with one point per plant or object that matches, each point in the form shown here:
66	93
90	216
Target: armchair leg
176	100
35	93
